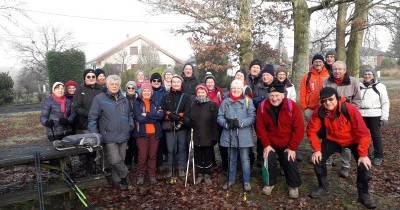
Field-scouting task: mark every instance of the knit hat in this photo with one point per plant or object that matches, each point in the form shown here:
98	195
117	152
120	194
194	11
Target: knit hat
177	76
281	69
243	72
156	76
269	68
330	52
130	83
318	57
209	76
99	71
201	86
71	83
369	70
87	71
168	71
276	87
327	92
146	85
255	62
57	84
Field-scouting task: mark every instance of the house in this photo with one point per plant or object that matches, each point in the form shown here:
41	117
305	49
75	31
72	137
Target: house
125	55
368	56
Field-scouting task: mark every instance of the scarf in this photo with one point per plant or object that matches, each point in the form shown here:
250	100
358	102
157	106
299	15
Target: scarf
234	98
338	81
62	101
204	100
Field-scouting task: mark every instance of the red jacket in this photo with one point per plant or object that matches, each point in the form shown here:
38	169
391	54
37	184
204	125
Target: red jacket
216	95
290	129
340	130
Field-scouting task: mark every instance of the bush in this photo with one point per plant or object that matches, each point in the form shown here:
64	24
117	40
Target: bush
6	88
388	63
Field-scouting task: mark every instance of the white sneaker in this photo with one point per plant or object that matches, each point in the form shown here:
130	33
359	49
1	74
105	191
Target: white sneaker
268	189
293	192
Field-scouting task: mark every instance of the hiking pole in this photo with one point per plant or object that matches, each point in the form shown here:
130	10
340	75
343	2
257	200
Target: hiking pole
78	192
238	150
38	171
190	156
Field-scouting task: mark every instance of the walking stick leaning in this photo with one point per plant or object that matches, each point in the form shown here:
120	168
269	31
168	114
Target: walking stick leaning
190	159
71	184
39	180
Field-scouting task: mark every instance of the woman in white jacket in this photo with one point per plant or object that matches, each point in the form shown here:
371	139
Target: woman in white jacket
282	76
374	108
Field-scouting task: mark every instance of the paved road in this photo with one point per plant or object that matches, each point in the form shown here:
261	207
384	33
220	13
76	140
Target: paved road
20	108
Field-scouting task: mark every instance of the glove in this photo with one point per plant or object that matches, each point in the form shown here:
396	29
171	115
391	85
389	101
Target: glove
174	116
236	123
384	123
63	121
230	123
49	123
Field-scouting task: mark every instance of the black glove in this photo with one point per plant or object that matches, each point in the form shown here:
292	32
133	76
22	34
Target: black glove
174	116
63	121
236	123
49	123
230	123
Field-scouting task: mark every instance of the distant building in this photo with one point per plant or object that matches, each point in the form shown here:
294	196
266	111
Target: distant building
368	56
125	55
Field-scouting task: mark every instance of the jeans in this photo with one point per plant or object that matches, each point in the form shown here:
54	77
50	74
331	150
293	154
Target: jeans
245	160
177	148
374	125
115	154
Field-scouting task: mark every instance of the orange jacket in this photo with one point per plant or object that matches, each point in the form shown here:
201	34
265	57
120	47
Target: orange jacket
341	130
309	94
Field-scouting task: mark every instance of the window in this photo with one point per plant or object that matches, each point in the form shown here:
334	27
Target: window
134	50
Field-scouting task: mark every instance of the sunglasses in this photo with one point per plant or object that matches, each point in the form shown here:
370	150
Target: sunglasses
155	80
90	77
131	88
323	101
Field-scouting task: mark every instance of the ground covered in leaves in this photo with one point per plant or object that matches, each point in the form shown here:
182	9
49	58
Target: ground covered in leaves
384	186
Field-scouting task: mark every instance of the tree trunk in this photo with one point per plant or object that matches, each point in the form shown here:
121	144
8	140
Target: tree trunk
244	34
356	37
341	32
301	51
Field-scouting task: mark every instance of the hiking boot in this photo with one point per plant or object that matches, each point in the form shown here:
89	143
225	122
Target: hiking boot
319	192
227	185
199	178
247	186
344	172
267	190
293	192
181	173
207	179
140	180
377	161
367	201
153	180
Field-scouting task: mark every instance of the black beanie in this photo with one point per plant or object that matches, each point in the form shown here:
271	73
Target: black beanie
276	86
269	68
255	62
318	57
99	71
155	76
327	92
243	72
87	71
330	52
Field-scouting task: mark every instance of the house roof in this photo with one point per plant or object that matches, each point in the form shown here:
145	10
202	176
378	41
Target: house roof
129	41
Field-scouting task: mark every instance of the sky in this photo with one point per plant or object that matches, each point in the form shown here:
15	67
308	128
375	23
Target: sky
100	25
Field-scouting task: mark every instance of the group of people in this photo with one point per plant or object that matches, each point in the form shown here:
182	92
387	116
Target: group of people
155	117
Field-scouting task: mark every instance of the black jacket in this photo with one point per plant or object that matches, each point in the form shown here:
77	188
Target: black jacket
189	85
82	101
170	102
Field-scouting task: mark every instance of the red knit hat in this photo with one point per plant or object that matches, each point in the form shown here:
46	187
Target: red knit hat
146	85
202	86
71	83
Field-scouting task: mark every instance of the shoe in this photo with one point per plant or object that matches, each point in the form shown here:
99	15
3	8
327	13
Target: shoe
140	180
199	178
181	173
120	185
377	161
247	186
293	192
367	201
267	190
319	192
226	185
207	179
344	172
126	180
153	180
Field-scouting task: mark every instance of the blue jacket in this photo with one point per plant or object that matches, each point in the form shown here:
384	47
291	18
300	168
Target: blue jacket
155	116
158	95
110	117
244	111
51	110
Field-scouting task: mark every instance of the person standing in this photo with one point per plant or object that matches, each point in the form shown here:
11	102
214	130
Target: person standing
148	131
335	113
101	79
139	78
189	80
255	73
330	57
236	115
70	88
131	156
111	117
280	128
282	76
167	79
374	108
202	118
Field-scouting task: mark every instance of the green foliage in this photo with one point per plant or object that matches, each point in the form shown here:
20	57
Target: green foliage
128	75
388	63
64	66
159	70
6	88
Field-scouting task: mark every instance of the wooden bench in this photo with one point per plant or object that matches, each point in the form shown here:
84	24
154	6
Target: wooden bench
25	155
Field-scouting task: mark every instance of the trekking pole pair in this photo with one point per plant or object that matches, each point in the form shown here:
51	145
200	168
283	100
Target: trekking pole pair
78	192
190	156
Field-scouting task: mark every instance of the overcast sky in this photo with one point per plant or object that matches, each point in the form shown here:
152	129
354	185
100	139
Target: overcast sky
101	25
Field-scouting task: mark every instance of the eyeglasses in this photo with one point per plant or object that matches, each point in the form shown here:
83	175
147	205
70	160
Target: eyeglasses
323	101
130	88
90	77
155	80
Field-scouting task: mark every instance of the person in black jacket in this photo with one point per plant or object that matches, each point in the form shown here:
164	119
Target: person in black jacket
131	151
202	118
189	80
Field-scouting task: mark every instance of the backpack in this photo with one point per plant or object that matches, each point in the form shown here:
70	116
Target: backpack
322	131
373	88
87	141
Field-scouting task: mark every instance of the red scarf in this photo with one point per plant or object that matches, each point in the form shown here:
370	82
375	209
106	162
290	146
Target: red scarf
62	101
234	98
338	81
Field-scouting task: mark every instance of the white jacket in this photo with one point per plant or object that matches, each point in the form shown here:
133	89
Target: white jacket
291	93
372	104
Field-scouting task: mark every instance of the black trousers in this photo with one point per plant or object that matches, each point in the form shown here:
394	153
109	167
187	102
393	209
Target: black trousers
131	152
203	158
290	168
329	148
374	125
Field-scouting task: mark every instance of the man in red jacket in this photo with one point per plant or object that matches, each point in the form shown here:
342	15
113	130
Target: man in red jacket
343	128
280	128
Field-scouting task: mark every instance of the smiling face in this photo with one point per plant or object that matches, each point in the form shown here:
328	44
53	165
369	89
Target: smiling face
176	83
281	76
201	93
239	75
188	71
255	70
236	88
130	90
146	93
59	91
168	76
71	89
210	84
338	70
140	76
267	78
330	59
101	79
368	76
156	83
90	79
113	86
330	103
275	98
318	64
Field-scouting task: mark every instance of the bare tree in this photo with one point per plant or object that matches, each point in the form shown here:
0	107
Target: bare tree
148	58
10	11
